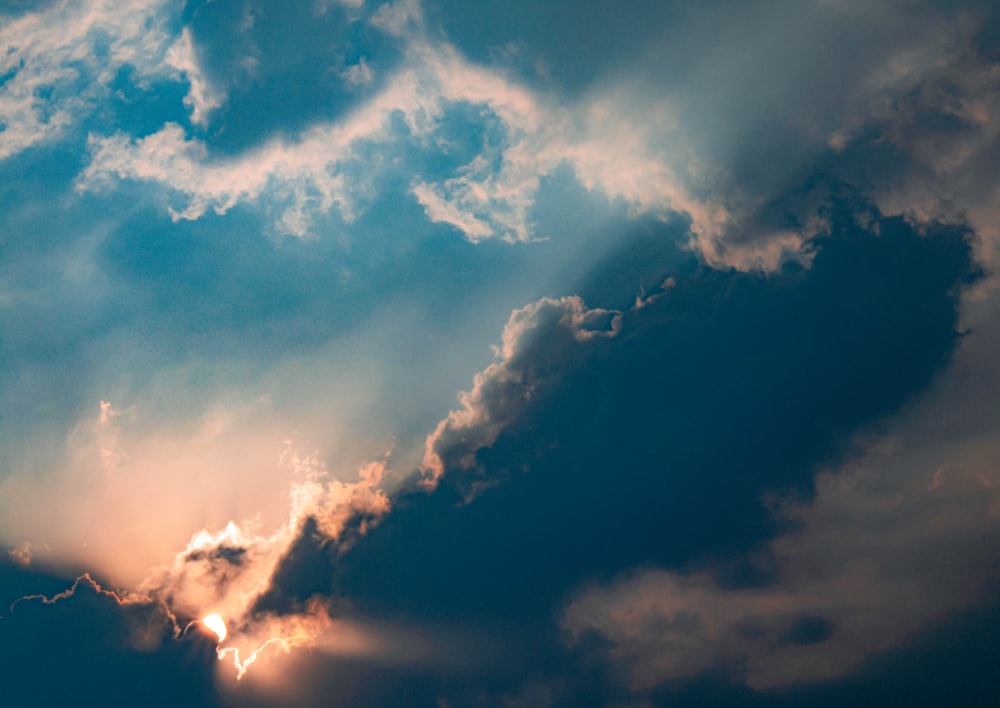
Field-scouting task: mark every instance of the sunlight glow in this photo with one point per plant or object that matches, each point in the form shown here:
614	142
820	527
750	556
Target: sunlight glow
216	624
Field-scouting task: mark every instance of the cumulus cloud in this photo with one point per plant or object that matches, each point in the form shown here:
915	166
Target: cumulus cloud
237	571
892	544
536	343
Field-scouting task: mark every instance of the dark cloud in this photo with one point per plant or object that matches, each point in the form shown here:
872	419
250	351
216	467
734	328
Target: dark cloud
88	649
808	630
304	572
232	555
609	469
656	446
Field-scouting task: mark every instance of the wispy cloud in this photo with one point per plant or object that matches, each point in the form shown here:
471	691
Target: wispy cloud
59	62
491	196
202	97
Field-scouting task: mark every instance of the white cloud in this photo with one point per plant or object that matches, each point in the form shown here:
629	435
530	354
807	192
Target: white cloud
490	196
61	60
625	139
628	140
758	105
536	343
306	175
202	97
440	209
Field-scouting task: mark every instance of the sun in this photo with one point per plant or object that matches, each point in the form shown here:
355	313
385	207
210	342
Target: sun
216	624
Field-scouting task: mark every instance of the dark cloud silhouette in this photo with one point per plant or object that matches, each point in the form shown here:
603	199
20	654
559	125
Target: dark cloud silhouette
808	630
88	649
608	470
658	444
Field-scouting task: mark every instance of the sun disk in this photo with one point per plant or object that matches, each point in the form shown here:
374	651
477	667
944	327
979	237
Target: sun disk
216	624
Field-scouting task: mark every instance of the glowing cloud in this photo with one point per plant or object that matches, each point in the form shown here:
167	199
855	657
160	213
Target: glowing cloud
222	573
216	624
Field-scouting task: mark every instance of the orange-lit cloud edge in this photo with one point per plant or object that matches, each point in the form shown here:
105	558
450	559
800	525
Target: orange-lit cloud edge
214	584
211	585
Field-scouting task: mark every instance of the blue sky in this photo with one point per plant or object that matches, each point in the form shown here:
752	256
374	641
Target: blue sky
499	354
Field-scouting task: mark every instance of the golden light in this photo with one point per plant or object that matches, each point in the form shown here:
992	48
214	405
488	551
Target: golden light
216	624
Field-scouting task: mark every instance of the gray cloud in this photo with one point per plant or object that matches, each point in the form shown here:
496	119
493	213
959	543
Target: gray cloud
893	543
872	567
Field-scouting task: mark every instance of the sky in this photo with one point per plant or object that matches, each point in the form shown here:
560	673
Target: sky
499	354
